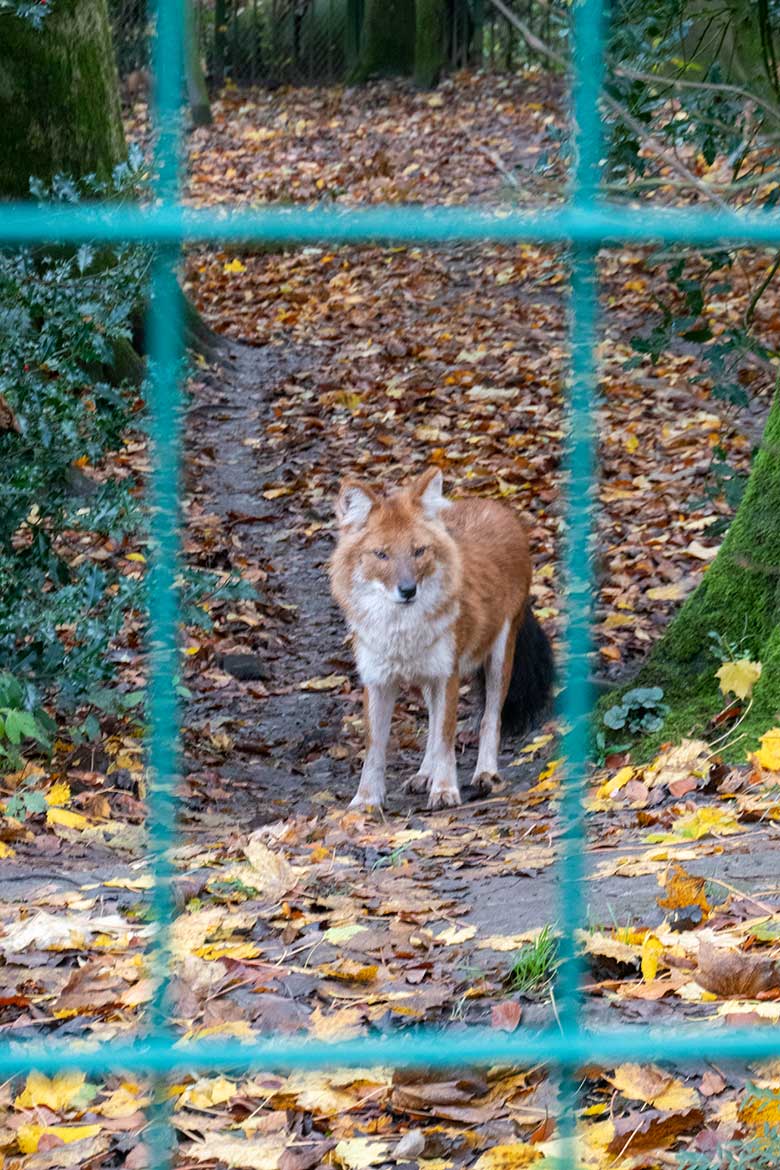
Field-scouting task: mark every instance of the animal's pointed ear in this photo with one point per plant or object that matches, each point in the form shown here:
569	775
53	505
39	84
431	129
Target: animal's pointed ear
428	490
354	503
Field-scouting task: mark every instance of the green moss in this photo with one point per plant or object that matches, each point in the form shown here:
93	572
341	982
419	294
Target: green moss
59	93
740	598
429	43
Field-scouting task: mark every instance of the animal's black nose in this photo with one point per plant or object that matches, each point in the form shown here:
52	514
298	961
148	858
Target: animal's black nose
407	590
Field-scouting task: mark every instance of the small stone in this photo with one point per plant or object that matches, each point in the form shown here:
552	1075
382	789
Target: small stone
245	667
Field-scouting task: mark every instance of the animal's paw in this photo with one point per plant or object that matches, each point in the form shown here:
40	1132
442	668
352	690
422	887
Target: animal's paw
443	797
418	783
483	783
364	802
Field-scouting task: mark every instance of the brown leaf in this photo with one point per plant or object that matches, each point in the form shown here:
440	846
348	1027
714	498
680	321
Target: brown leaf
683	889
712	1083
733	974
505	1016
652	1130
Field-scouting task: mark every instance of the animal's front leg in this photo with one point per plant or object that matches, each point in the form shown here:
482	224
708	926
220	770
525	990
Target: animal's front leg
422	778
444	717
378	703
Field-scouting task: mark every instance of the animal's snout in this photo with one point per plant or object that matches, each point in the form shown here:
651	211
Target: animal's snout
407	590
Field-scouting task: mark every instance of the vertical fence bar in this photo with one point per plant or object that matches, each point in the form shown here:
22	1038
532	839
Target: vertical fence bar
165	336
579	500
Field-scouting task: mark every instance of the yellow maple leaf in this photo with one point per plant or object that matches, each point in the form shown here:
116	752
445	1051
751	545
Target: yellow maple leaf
57	1093
701	823
653	1086
768	755
235	266
739	677
59	793
28	1136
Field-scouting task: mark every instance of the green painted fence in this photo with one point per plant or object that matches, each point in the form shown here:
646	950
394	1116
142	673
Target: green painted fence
584	224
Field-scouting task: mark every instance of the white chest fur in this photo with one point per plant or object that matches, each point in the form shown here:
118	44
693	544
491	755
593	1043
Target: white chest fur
402	643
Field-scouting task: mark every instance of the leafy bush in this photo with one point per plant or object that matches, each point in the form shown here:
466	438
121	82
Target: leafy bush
69	511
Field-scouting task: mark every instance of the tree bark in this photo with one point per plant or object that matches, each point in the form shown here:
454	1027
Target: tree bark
59	93
430	19
198	94
739	598
388	39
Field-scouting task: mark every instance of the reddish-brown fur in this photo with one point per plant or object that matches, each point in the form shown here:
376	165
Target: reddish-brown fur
468	567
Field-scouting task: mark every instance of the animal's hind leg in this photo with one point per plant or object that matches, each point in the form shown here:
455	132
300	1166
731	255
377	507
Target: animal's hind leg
422	778
498	671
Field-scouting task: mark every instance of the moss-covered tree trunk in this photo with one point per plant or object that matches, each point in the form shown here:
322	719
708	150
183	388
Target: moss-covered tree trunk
740	599
387	46
430	19
59	96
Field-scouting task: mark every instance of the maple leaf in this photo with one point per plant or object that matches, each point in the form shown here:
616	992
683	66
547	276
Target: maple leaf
29	1136
234	266
63	1091
768	755
738	678
646	1082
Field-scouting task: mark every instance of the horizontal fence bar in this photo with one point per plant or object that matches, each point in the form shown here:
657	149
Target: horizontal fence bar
435	1049
605	224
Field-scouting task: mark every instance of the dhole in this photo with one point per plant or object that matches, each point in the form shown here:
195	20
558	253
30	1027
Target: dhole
434	591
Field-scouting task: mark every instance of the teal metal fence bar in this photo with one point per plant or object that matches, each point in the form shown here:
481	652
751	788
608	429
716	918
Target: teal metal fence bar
584	223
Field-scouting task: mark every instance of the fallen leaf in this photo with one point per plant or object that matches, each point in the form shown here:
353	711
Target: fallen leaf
733	974
768	755
29	1136
512	1156
255	1153
60	1093
648	1083
328	682
506	1015
738	678
359	1152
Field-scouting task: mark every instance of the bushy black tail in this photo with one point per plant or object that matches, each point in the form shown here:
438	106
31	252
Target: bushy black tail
533	672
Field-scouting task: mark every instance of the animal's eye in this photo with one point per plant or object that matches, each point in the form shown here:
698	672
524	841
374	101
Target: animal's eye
418	552
380	554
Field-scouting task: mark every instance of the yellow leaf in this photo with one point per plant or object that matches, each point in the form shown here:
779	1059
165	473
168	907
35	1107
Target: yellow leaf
512	1156
240	1029
207	1092
123	1102
228	950
328	682
360	1152
768	755
6	851
261	1153
612	786
141	883
69	820
56	1094
235	266
761	1113
28	1136
653	1086
701	823
631	444
456	934
271	873
652	949
549	770
350	971
137	557
739	677
59	793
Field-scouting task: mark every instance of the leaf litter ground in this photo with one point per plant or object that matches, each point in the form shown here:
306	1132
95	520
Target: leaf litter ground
295	915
